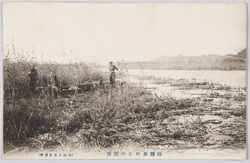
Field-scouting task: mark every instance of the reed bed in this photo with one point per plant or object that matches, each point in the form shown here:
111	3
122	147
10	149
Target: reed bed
112	116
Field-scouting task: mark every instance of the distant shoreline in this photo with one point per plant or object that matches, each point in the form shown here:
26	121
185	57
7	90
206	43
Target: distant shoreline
106	67
185	69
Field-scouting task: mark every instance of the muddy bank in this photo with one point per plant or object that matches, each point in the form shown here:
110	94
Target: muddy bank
219	109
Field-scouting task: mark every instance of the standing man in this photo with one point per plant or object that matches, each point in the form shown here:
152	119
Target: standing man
33	79
55	84
112	69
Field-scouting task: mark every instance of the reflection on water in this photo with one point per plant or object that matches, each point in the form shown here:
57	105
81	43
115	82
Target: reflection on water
232	78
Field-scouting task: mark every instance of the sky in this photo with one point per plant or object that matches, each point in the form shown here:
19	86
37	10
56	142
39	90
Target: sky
103	32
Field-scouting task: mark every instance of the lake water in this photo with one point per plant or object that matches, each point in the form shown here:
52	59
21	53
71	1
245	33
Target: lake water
232	78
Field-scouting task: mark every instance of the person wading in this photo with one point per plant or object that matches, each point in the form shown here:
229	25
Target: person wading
112	69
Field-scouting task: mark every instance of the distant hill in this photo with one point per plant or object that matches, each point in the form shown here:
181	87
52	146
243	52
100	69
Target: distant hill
204	62
242	54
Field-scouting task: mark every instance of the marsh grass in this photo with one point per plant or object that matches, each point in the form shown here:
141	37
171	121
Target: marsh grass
107	117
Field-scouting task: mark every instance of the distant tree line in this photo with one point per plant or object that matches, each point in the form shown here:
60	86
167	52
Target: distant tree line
204	62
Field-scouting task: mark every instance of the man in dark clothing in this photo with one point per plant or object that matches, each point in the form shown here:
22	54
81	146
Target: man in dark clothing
112	69
33	80
55	85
